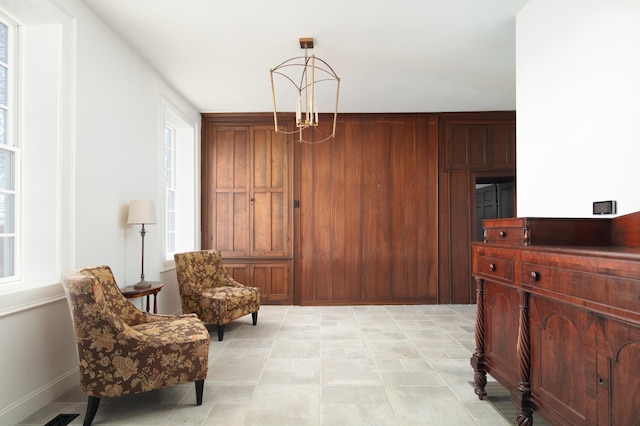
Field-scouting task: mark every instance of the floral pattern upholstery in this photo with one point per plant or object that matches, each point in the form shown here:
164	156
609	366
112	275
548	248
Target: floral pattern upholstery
123	350
207	289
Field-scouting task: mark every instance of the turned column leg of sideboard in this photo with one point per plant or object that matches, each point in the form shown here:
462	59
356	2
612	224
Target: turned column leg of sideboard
523	392
477	359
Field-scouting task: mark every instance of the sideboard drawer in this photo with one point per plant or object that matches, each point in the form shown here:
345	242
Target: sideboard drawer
495	267
603	293
506	235
548	231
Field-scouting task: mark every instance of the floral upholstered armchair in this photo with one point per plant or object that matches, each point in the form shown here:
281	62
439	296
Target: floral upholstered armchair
207	289
123	350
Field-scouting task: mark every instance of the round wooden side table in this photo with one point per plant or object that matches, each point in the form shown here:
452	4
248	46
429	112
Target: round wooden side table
130	292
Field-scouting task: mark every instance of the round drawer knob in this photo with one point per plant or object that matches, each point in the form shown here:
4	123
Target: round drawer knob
503	234
492	267
535	276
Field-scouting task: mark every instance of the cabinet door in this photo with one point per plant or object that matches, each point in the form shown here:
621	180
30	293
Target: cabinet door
480	146
502	312
273	278
618	381
273	281
269	193
246	206
502	142
563	361
467	145
225	206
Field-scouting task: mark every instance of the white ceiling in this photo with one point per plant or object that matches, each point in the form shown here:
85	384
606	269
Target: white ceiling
391	56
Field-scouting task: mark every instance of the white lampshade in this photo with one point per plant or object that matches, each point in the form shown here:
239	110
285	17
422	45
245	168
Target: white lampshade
141	211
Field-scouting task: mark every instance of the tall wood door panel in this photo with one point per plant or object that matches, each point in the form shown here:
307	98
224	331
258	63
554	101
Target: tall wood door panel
367	222
247	203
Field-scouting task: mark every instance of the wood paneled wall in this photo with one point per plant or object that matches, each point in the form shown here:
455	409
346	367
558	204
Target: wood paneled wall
385	211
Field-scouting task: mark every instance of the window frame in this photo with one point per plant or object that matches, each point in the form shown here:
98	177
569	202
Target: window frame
187	184
170	189
11	144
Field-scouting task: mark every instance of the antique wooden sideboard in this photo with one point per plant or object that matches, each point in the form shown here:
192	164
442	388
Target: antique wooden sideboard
558	317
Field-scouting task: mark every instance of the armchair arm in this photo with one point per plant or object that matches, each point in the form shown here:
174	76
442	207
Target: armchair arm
166	317
232	283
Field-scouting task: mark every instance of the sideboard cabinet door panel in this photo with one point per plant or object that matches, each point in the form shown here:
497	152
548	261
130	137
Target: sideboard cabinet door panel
618	380
563	360
501	331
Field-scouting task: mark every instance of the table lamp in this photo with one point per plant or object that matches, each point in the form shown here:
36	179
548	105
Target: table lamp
142	212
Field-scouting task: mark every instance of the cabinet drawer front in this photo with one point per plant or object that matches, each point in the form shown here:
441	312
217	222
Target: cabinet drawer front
495	267
505	235
603	293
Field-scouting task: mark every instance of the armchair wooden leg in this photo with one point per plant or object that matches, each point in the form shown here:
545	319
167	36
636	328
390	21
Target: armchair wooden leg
92	408
220	332
254	317
199	388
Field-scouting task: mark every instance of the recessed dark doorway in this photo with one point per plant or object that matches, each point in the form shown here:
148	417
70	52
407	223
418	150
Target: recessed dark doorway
495	198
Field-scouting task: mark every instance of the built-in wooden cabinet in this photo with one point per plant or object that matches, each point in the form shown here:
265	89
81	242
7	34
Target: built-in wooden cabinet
574	354
247	202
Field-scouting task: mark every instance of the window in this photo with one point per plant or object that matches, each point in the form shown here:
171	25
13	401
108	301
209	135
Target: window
8	163
170	187
180	176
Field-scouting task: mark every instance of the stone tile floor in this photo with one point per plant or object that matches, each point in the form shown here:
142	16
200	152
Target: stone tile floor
328	365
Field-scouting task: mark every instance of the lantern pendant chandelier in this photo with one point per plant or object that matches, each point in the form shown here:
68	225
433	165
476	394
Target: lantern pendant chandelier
305	81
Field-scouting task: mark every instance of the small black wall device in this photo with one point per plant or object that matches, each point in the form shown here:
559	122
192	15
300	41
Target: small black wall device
604	207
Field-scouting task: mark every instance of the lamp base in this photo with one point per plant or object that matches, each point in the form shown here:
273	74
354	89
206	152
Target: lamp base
142	284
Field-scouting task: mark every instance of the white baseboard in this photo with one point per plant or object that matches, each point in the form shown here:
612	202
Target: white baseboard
29	404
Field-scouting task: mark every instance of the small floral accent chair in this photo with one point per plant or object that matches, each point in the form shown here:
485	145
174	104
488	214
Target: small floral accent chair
207	289
123	350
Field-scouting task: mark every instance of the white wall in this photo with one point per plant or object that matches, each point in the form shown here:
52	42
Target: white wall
578	106
97	144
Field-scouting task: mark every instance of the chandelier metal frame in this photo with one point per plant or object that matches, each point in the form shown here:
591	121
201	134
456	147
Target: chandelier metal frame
304	73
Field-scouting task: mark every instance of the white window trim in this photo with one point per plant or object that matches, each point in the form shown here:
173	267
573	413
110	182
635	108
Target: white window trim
43	22
187	169
171	189
12	140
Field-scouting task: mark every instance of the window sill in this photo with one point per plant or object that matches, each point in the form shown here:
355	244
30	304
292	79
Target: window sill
18	297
